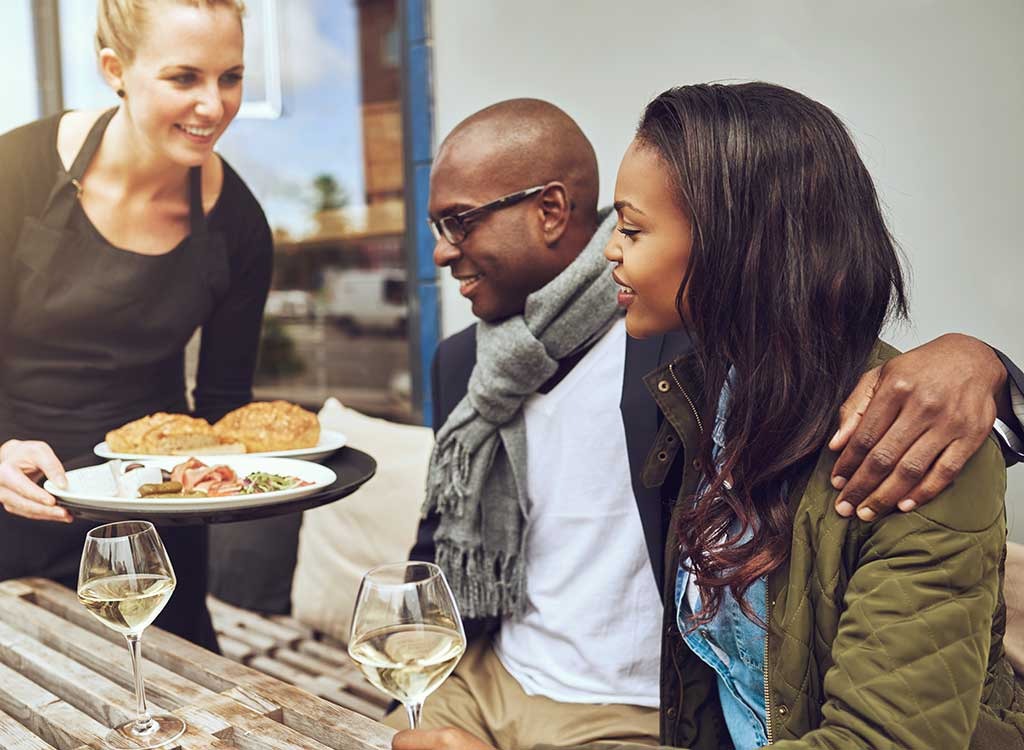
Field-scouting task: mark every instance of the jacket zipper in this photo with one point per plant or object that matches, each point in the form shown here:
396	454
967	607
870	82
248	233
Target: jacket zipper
767	688
768	727
672	372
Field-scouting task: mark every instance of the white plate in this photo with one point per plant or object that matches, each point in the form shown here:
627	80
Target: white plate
94	486
330	441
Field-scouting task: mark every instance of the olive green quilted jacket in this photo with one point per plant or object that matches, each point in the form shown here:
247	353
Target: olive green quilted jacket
881	635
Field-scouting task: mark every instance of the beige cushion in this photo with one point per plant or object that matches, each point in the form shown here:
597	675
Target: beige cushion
377	524
1013	590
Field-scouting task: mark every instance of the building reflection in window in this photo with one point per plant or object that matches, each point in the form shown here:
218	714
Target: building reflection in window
329	174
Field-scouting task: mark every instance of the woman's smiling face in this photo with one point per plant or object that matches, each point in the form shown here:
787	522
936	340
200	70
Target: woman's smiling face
184	85
651	244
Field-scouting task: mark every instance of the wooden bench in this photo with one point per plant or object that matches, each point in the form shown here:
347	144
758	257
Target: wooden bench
295	653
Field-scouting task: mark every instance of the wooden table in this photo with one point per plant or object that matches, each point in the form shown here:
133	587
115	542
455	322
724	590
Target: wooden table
294	653
65	679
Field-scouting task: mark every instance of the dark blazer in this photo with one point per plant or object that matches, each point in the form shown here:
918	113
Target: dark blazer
453	363
1017	377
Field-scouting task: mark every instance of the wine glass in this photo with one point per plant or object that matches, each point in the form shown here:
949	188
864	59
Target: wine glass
124	581
406	635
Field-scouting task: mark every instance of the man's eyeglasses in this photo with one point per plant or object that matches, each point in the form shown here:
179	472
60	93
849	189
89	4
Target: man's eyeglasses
453	227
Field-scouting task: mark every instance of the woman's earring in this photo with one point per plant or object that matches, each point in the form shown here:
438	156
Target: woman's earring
120	93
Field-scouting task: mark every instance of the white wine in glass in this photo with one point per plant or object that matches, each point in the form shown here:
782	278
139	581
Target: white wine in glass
406	635
125	580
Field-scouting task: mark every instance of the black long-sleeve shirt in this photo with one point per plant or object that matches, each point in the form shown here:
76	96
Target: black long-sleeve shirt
233	307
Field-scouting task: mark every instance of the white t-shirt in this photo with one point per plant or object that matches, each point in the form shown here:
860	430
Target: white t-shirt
591	632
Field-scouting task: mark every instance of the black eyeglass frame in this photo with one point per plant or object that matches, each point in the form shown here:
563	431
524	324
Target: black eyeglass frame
453	227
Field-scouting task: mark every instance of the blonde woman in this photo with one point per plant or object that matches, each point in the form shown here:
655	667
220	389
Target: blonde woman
121	233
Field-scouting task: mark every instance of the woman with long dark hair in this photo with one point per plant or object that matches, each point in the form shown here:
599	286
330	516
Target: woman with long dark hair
747	218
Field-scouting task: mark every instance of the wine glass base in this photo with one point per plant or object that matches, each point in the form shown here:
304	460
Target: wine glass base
168	729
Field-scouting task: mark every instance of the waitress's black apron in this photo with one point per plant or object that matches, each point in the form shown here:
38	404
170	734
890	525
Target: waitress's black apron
97	338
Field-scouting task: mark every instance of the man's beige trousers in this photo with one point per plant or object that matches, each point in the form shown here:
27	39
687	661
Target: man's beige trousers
482	698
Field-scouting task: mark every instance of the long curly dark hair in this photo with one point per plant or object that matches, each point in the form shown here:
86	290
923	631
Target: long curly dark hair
791	277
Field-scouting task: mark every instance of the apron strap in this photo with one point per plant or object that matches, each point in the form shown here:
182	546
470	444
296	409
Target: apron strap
68	185
65	192
92	143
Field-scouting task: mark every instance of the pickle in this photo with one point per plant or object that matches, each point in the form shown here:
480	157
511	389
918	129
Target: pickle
164	488
176	495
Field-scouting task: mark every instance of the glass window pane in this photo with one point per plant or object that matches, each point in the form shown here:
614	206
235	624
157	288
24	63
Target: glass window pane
329	174
84	87
18	76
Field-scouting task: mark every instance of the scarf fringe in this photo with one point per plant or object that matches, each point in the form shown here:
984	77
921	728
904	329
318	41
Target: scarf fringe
484	584
448	487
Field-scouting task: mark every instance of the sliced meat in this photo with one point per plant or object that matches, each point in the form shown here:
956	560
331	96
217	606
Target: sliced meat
178	472
220	489
196	476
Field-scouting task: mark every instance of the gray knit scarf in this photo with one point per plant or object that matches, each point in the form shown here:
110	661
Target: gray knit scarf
477	475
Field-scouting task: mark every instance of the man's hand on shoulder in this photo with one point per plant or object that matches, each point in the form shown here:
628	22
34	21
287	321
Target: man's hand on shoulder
910	426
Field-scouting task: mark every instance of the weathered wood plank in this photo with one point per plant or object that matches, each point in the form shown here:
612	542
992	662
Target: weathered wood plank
46	722
334	690
256	702
348	689
258	642
234	650
367	692
333	678
202	721
214	672
92	693
335	656
13	736
223	612
305	662
329	724
109	659
277	669
50	718
347	676
291	622
17	587
193	739
336	693
350	680
333	725
250	729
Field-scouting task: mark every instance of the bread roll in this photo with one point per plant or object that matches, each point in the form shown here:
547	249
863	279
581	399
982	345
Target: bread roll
270	426
128	438
162	434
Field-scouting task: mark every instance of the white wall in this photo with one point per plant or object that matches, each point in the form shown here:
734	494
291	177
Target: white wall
932	91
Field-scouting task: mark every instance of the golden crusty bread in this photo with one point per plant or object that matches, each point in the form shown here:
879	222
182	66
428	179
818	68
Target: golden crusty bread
162	433
127	438
270	426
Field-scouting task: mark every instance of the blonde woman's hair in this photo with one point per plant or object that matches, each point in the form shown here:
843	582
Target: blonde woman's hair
121	24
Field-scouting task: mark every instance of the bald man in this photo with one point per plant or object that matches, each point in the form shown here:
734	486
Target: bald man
557	562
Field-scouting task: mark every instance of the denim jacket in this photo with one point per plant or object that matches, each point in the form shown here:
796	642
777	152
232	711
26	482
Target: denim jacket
731	643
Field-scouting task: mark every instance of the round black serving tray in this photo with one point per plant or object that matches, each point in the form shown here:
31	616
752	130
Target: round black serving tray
353	467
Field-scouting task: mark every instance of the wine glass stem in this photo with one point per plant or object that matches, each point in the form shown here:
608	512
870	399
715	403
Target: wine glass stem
144	723
414	710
